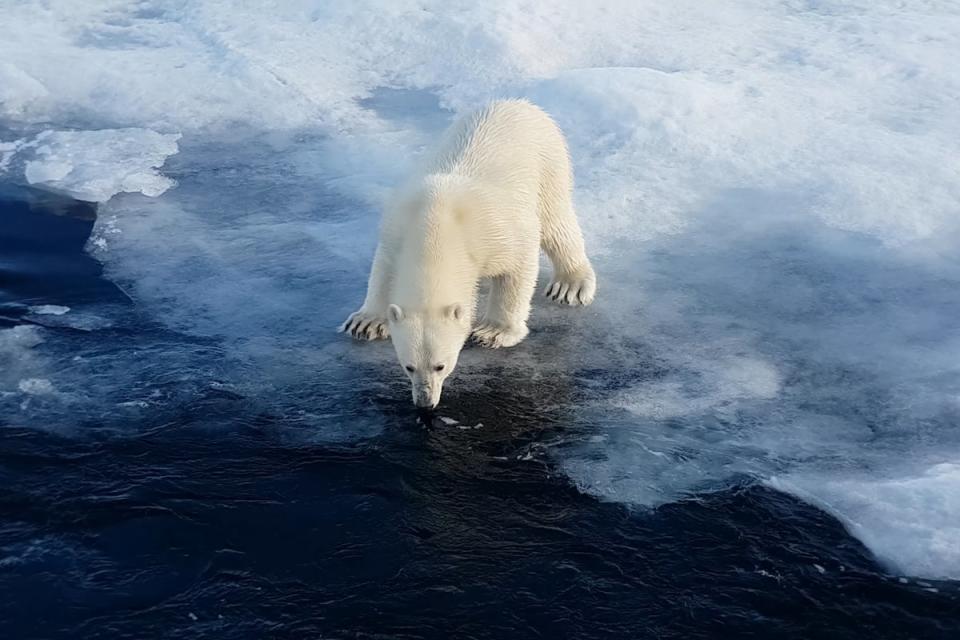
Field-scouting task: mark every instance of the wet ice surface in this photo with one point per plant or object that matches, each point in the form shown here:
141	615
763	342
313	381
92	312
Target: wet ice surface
758	342
190	476
753	428
211	512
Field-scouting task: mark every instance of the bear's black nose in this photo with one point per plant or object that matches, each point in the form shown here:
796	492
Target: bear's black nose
421	398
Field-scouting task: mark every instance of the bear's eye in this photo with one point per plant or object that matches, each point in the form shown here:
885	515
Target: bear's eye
409	368
439	367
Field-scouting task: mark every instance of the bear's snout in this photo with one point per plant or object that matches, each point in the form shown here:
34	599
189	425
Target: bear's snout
425	398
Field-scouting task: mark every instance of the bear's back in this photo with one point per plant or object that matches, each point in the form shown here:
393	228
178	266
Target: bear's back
505	142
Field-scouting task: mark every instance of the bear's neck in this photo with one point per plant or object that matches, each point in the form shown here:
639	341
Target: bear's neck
436	269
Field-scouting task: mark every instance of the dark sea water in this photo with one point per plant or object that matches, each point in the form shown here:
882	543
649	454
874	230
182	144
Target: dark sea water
210	523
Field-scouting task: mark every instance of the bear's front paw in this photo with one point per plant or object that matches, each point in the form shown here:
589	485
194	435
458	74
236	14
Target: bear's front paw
366	326
573	289
494	335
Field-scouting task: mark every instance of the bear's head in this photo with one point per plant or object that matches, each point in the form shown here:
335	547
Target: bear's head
428	344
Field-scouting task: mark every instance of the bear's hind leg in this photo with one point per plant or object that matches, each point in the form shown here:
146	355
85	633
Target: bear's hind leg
505	322
574	281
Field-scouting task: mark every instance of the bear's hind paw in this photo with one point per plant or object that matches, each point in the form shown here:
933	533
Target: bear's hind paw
366	326
573	290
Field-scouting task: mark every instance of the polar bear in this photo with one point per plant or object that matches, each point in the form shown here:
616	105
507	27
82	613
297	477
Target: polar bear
497	190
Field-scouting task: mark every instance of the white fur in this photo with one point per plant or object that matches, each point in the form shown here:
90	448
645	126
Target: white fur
496	191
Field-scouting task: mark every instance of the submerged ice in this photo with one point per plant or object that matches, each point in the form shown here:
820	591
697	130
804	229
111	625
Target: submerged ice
771	191
907	520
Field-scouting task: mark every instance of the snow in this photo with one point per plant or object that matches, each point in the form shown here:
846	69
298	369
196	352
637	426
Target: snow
771	191
19	92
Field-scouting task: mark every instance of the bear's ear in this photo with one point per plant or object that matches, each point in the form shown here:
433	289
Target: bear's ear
395	313
454	312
